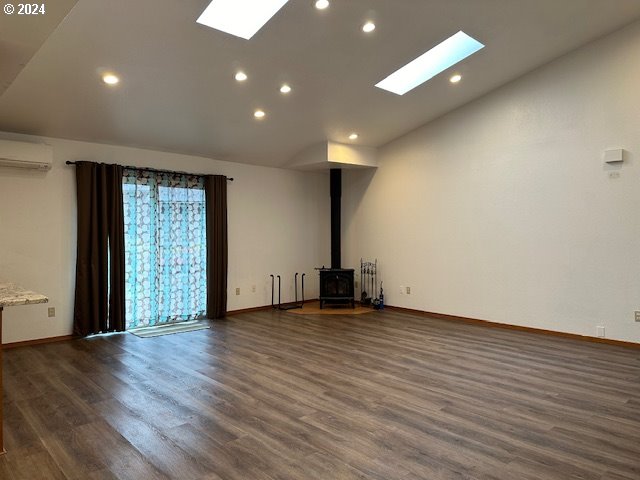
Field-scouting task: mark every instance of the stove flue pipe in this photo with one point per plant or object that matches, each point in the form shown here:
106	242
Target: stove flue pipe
335	185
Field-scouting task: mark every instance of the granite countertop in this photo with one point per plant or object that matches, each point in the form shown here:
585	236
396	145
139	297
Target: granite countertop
12	295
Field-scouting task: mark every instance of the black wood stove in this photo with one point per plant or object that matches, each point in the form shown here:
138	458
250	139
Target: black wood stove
336	283
336	286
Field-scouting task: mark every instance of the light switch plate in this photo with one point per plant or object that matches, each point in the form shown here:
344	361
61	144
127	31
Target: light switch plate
614	155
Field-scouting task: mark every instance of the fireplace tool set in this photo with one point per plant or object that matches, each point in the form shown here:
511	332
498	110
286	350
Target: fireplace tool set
288	306
369	281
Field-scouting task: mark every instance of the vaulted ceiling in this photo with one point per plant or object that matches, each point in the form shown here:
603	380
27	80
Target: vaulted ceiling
178	93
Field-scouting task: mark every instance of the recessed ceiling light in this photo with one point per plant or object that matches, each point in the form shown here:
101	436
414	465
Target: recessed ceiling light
285	88
322	4
242	18
259	114
110	79
456	78
353	136
368	27
241	76
444	55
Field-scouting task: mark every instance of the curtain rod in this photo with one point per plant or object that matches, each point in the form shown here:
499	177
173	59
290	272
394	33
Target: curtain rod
144	169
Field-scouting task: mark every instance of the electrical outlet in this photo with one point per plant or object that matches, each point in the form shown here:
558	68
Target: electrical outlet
51	312
253	289
401	290
408	290
238	291
614	175
637	315
600	331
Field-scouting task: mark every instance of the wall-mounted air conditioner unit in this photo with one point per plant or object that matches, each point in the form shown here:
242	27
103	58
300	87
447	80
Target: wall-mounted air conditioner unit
33	156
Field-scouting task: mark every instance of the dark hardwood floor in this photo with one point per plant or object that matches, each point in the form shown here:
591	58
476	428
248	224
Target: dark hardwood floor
271	395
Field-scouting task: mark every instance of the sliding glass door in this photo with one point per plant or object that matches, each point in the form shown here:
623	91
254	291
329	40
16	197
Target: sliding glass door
165	248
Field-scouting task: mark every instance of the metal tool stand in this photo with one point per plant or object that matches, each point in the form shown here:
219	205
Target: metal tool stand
273	280
368	281
290	306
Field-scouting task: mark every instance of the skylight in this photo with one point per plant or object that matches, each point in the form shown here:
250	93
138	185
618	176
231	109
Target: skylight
444	55
242	18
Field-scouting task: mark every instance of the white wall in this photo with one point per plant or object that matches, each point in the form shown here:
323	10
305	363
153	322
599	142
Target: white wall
277	224
503	210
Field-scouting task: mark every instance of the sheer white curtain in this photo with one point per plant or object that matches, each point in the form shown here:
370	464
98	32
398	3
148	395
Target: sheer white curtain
165	247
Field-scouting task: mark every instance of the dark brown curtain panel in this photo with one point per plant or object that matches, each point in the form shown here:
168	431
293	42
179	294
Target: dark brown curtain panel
215	187
99	302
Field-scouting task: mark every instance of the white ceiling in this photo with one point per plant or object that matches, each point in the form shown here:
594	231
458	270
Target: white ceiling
21	36
178	92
